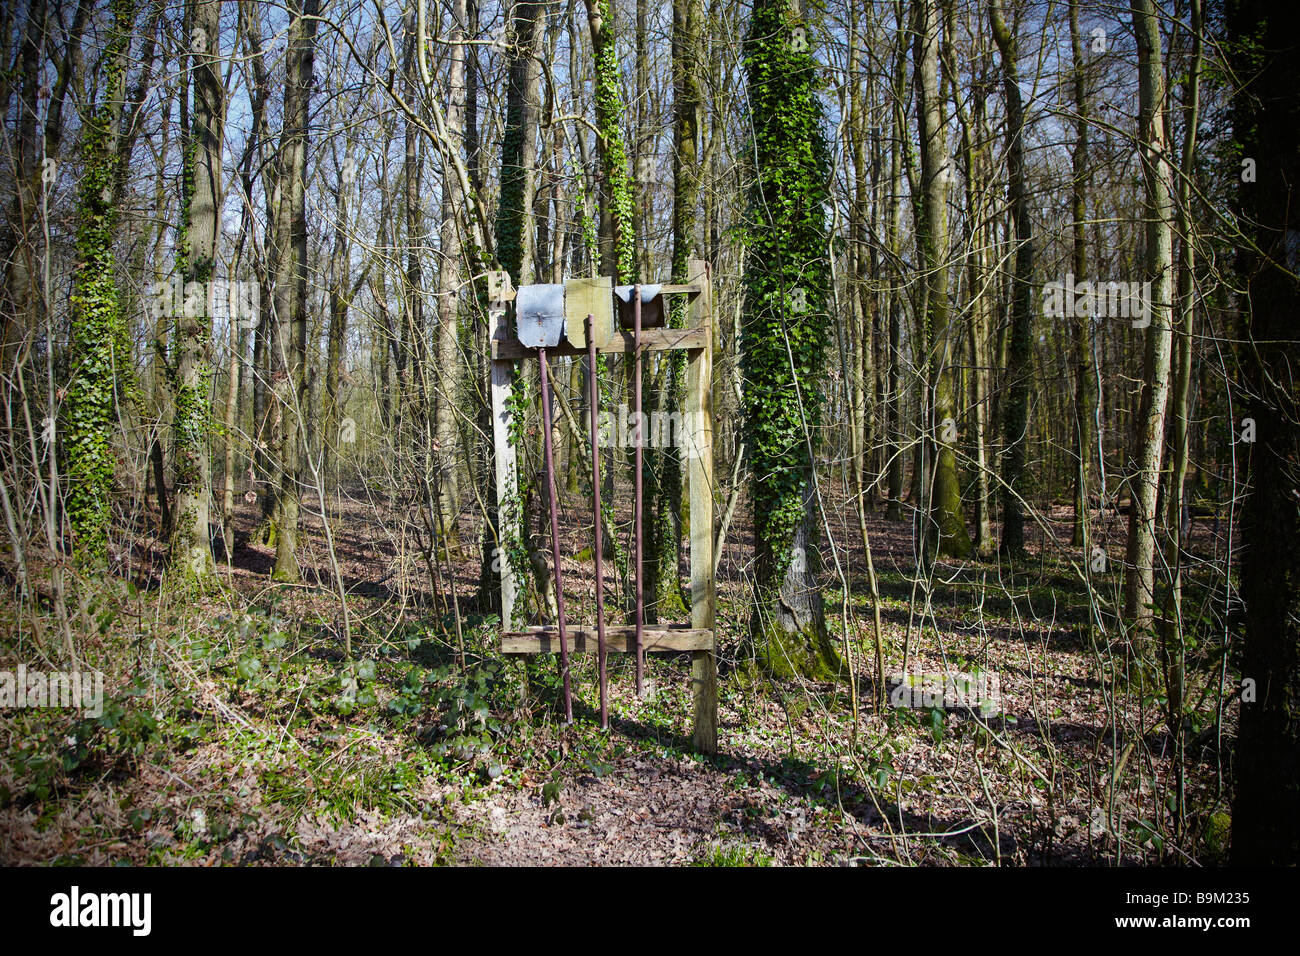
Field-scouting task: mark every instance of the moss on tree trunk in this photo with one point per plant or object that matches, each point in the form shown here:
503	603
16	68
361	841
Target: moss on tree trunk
788	628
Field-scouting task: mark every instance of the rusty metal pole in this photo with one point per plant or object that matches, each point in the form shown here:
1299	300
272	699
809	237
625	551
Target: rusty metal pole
555	535
639	502
593	393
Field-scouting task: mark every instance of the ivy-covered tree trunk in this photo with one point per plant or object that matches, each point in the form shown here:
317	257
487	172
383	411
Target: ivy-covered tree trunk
946	528
618	232
99	345
514	224
515	244
1266	122
787	289
611	143
200	229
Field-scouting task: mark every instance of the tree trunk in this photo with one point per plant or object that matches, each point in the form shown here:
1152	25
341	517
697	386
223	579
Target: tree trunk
191	551
611	143
894	401
339	295
99	344
414	366
1266	121
515	232
787	292
1020	351
663	556
945	531
979	276
1085	376
1144	471
289	291
514	226
1173	647
16	300
449	275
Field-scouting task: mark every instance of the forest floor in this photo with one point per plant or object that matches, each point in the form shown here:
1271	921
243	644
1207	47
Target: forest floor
236	730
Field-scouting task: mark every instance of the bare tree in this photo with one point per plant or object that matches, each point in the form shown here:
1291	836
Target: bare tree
201	229
1148	448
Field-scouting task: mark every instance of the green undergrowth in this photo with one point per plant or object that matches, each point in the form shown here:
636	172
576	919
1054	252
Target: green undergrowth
255	716
233	734
733	855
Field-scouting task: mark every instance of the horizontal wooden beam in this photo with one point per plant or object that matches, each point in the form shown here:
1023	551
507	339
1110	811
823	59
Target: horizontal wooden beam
619	639
652	340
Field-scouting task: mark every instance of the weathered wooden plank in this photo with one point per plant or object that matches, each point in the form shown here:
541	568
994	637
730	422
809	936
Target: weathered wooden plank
505	460
619	639
652	340
699	388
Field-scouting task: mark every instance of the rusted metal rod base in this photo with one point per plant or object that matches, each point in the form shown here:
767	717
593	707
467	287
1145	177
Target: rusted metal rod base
639	500
593	393
555	534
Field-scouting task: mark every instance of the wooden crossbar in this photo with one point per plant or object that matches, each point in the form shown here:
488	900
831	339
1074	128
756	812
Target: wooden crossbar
619	639
652	340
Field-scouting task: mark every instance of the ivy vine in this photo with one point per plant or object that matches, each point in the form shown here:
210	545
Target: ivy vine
787	276
99	345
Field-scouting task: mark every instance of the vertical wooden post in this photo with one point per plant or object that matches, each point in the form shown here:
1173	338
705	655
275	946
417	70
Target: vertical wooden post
507	477
699	388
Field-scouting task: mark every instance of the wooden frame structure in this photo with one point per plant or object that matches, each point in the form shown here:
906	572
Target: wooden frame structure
699	638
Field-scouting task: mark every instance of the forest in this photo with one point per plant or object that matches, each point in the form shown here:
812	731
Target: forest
597	432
